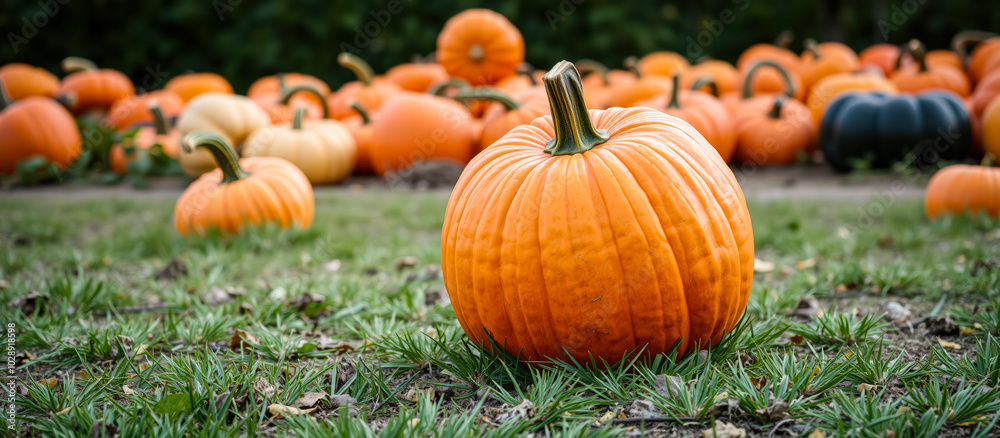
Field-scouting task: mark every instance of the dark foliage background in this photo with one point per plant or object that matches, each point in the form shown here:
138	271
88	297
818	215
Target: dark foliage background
245	39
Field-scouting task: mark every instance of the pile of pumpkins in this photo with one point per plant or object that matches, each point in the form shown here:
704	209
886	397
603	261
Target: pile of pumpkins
773	107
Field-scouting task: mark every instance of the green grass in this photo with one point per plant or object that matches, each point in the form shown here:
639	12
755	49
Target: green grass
136	326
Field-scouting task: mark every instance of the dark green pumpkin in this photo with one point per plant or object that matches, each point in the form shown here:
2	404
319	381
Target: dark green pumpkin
883	129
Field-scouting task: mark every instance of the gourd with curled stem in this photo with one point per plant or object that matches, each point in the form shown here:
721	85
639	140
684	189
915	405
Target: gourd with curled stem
790	88
706	81
961	41
368	90
287	94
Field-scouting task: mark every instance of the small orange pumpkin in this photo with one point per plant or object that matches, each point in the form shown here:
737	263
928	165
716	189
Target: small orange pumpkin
593	234
665	64
146	138
368	90
411	127
704	112
36	126
961	188
416	76
506	114
921	76
820	60
269	93
240	193
882	56
480	46
191	85
23	80
95	89
135	109
830	87
723	77
773	130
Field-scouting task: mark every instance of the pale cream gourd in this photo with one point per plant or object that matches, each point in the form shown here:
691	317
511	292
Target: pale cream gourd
230	116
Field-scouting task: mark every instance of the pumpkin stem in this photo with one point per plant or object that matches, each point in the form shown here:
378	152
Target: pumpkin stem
988	160
527	70
674	102
357	65
748	80
775	112
67	99
586	66
811	45
632	64
361	110
575	132
706	81
159	121
5	99
477	53
916	50
439	89
224	155
72	64
784	39
487	93
961	41
286	97
300	114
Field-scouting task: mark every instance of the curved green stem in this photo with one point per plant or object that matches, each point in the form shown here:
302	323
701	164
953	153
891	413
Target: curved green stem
632	64
439	89
706	81
282	86
811	45
988	160
586	66
675	102
5	99
916	50
477	53
224	155
362	111
286	97
775	112
784	39
159	121
357	65
72	64
748	80
961	41
575	132
300	114
67	99
487	93
526	69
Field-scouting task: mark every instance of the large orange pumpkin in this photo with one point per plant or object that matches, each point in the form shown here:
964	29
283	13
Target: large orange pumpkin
191	85
241	193
368	90
773	130
36	127
961	188
411	127
704	112
480	46
596	234
921	76
827	89
135	109
145	139
23	80
95	89
820	60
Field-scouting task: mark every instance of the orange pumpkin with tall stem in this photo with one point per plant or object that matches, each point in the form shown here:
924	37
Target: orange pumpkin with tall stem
774	130
704	112
480	46
595	234
241	193
367	90
920	76
36	127
145	139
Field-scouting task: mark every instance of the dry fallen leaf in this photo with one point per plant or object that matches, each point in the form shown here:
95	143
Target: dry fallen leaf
608	416
405	262
281	411
805	264
64	410
309	399
972	423
862	387
262	387
816	434
946	344
967	330
796	339
49	383
127	390
242	339
723	429
414	422
414	394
